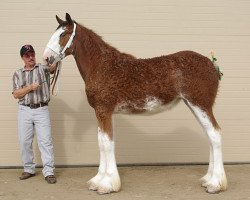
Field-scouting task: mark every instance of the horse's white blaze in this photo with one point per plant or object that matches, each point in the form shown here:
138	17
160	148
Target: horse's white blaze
53	47
216	177
54	40
107	178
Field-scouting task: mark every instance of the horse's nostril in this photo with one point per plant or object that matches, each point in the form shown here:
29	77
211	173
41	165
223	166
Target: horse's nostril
51	60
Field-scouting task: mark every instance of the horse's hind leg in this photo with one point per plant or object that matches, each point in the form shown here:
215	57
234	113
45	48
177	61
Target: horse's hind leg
205	179
107	179
215	180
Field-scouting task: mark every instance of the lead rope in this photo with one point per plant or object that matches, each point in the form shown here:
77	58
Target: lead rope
55	80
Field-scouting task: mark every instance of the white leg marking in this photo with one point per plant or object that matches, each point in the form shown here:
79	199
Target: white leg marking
216	180
204	180
107	179
94	182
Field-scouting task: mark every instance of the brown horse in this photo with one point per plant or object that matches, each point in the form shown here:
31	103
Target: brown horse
117	82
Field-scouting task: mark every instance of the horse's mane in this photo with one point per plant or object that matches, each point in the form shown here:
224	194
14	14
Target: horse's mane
91	38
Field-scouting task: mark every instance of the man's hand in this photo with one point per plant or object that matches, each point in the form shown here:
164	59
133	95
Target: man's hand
33	86
20	93
52	64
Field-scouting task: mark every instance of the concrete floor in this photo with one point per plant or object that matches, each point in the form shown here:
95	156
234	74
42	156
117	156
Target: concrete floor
142	182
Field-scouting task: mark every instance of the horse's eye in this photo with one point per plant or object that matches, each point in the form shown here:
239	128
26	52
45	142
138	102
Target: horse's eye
63	34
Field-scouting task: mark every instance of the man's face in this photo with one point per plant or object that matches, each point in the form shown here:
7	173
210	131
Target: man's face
29	59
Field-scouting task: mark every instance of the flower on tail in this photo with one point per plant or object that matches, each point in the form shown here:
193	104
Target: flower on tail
220	74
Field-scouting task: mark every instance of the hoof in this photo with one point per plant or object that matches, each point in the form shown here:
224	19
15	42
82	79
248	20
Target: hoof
205	184
105	184
92	186
94	183
109	184
215	186
213	189
102	190
205	179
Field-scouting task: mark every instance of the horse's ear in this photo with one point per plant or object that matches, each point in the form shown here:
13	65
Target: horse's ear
68	19
59	20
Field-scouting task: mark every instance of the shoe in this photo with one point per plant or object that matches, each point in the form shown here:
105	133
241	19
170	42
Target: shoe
51	179
26	175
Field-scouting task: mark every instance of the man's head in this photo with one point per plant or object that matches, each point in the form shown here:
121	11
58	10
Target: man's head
27	53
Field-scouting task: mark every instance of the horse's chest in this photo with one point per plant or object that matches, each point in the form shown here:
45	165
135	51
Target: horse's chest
99	95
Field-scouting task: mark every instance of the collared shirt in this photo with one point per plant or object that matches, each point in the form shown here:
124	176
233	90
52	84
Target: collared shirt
39	74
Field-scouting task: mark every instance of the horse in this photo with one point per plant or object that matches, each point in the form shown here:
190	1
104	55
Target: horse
117	82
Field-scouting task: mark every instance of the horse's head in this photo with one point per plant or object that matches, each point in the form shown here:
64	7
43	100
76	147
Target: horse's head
60	44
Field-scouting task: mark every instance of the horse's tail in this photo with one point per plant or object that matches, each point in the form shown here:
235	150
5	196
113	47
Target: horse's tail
220	74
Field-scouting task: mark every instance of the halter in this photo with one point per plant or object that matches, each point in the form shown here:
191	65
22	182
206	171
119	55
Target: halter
59	62
61	53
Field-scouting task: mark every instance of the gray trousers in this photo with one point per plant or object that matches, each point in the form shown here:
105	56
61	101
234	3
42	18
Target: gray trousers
38	118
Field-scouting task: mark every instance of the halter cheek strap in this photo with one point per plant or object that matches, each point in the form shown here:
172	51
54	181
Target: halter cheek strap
68	43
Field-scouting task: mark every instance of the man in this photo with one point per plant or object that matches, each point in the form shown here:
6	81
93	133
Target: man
31	87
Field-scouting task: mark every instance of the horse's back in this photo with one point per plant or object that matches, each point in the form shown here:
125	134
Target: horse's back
185	74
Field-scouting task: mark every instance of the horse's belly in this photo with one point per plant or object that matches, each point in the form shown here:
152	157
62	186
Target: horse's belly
150	105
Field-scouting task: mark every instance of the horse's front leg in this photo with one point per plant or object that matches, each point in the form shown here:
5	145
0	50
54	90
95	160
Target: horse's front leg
107	179
110	182
95	181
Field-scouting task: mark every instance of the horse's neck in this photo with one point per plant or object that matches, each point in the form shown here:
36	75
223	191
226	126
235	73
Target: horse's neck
90	51
82	61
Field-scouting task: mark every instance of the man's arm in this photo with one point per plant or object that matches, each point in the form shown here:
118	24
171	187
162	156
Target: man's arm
19	93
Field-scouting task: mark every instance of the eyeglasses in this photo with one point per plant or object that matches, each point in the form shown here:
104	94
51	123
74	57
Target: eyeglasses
28	55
